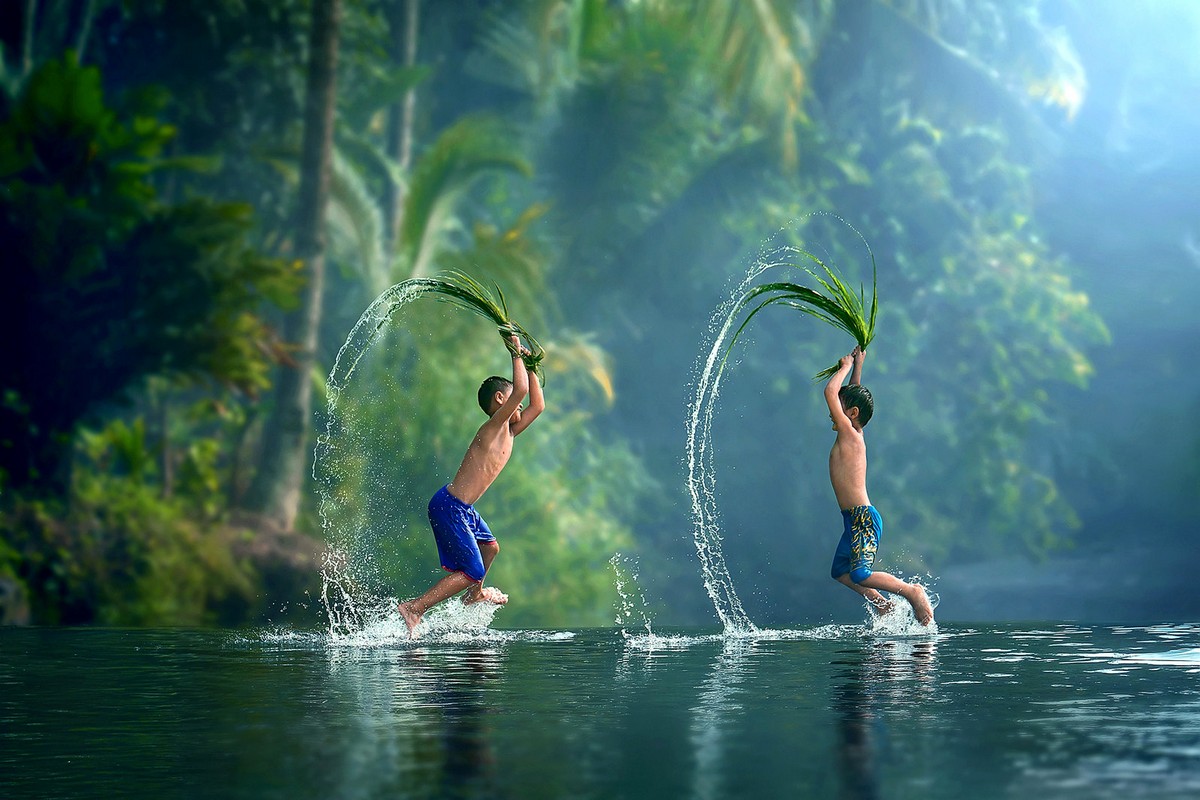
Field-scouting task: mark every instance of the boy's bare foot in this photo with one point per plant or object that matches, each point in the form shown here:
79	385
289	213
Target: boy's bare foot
880	604
411	618
489	594
916	596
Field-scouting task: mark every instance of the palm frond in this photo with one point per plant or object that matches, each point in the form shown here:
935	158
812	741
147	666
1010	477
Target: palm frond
838	305
460	289
464	152
355	222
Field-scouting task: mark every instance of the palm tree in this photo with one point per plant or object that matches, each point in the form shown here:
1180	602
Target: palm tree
401	115
276	488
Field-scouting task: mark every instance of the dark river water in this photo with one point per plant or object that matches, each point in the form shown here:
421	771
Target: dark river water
832	712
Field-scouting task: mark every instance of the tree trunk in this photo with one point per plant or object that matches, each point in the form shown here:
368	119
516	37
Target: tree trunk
85	28
400	122
28	25
284	459
165	453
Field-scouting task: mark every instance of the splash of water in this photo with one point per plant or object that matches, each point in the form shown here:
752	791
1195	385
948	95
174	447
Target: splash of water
449	622
346	573
632	610
900	622
702	479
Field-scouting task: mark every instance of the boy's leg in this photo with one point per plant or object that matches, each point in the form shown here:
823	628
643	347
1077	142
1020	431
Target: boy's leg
879	603
487	551
911	592
452	584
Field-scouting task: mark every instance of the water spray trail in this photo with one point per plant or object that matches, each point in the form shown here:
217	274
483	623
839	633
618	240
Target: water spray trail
702	480
341	594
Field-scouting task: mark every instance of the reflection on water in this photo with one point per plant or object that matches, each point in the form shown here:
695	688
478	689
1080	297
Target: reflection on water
837	711
858	742
716	702
885	673
469	761
423	720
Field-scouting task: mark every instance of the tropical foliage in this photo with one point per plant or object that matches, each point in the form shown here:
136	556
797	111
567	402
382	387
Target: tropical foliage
615	167
109	284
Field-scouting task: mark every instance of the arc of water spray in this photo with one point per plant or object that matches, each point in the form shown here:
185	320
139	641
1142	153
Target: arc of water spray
701	482
338	591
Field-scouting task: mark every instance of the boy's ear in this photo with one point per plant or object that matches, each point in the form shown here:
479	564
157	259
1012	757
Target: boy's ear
852	413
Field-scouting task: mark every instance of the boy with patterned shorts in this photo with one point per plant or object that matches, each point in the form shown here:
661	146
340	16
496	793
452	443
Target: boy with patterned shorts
850	408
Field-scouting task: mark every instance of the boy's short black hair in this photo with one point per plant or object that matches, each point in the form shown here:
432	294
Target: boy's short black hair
855	395
489	387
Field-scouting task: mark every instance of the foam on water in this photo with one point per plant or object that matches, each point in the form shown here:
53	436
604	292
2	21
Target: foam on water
900	623
387	636
1174	658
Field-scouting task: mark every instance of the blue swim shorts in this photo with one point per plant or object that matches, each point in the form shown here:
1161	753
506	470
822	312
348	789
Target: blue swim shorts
458	529
855	554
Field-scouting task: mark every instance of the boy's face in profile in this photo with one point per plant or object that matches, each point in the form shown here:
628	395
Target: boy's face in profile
499	399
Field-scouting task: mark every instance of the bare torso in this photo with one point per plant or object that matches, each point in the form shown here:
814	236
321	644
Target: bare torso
487	455
848	469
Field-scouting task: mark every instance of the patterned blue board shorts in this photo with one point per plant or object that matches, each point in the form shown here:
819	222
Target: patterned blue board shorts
458	529
855	554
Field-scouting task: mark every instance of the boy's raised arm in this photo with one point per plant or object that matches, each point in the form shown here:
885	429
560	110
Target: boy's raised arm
520	381
858	354
537	404
836	412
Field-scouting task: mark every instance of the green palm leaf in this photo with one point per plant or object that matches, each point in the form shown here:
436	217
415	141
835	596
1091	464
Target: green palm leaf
470	148
838	305
460	289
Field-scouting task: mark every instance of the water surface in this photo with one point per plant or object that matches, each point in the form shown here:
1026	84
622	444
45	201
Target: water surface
980	712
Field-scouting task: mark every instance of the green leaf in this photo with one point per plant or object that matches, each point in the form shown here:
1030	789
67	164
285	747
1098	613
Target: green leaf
838	306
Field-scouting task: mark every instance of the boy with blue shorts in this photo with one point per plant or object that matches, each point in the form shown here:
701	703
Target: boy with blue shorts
465	545
850	409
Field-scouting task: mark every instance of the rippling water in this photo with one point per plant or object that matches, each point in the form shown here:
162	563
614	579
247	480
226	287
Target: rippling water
834	711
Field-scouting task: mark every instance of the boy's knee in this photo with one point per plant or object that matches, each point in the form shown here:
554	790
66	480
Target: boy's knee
859	575
492	547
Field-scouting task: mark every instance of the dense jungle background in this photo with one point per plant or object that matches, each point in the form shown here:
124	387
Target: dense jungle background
198	200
